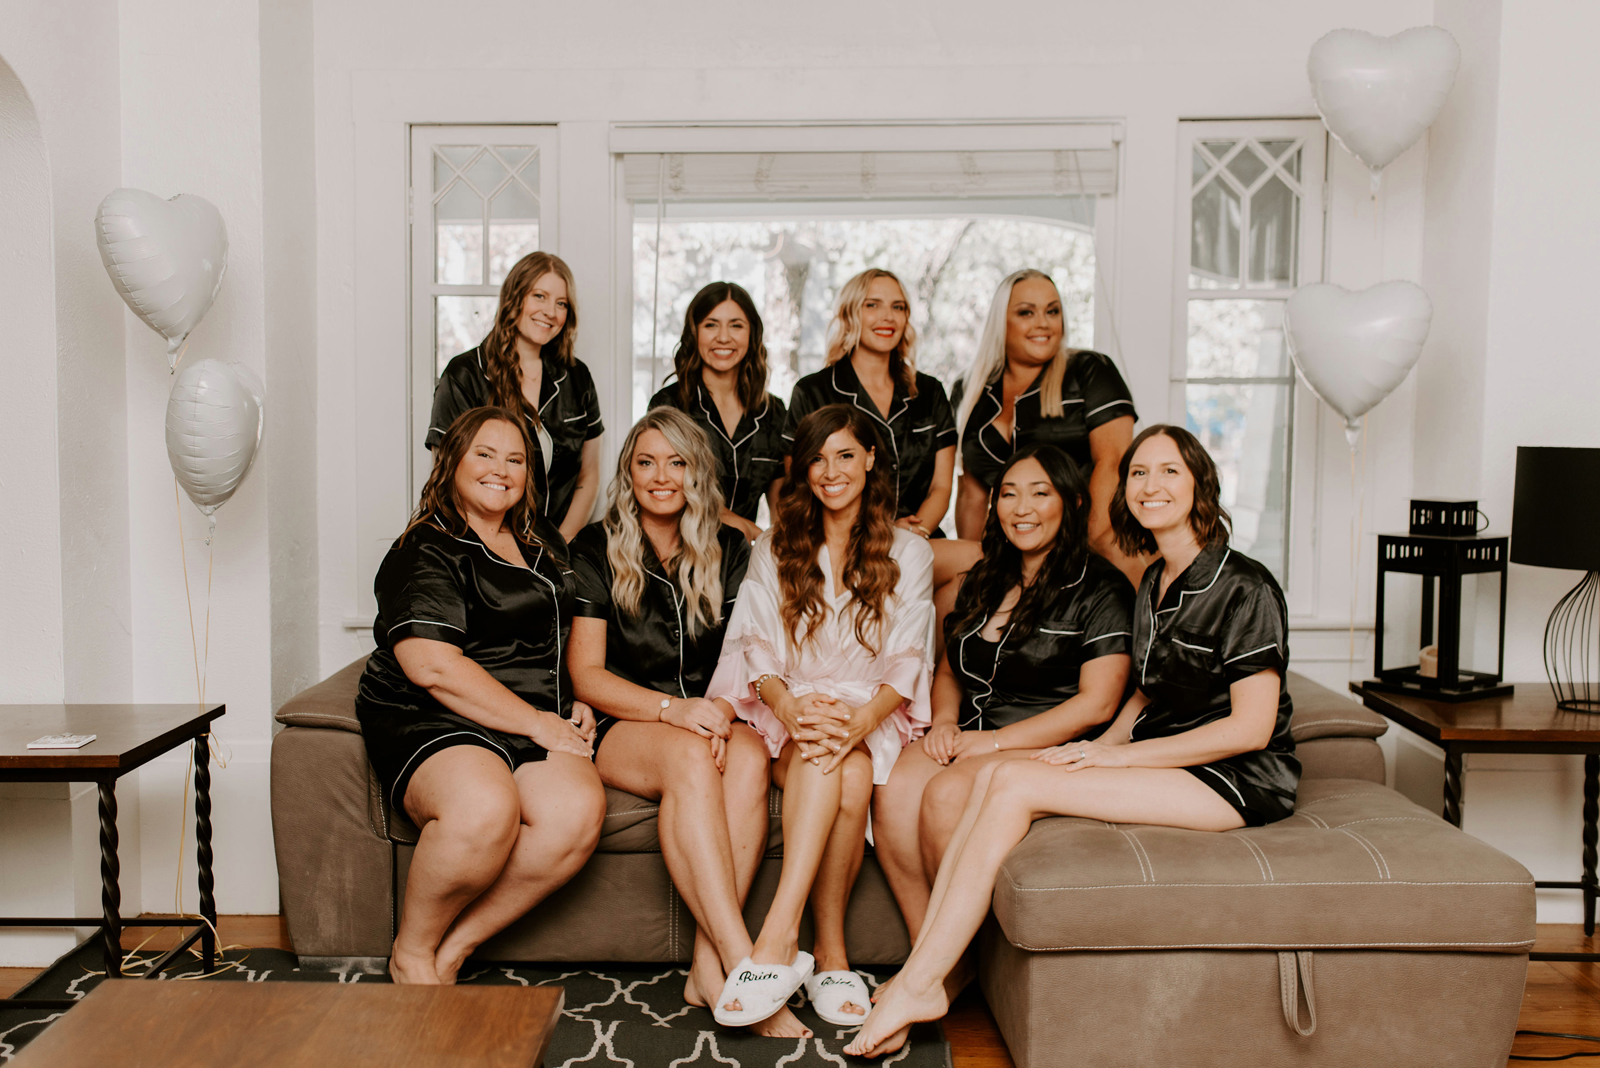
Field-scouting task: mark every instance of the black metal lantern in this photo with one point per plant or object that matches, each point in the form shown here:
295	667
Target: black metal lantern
1442	561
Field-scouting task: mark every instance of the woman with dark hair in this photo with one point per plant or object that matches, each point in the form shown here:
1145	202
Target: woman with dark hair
827	659
1027	386
466	708
656	580
871	366
721	371
1203	743
527	365
1036	654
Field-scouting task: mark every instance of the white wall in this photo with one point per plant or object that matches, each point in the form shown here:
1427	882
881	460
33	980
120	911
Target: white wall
1149	67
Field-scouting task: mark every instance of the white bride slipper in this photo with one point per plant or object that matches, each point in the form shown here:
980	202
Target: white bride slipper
829	991
760	990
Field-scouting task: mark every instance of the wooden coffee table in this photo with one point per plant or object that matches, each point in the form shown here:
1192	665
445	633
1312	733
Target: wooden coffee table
244	1025
129	736
1526	721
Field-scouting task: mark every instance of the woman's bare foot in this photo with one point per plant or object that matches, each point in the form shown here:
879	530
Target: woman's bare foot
703	975
412	969
903	1005
781	1024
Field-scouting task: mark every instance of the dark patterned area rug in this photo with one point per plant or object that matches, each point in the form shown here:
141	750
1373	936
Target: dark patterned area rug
632	1016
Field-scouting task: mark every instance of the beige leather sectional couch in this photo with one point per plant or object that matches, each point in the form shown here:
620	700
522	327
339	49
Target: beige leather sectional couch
1362	931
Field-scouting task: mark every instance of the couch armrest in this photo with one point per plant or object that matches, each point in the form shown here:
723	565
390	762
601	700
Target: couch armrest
331	703
1322	713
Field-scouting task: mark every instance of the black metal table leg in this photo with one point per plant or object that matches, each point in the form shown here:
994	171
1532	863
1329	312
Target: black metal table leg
202	845
1591	810
110	873
1454	786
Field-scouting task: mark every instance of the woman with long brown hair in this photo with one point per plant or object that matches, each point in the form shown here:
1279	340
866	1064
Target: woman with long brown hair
527	364
827	658
656	581
466	708
871	366
1203	743
721	383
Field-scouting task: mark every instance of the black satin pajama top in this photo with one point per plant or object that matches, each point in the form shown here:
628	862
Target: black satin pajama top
1222	620
569	407
1092	394
655	649
749	461
511	620
1034	672
913	431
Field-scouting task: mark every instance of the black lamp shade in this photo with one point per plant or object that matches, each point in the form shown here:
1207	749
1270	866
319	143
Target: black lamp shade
1555	516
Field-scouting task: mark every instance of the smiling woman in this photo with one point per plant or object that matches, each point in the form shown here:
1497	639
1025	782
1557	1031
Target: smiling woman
464	705
827	659
526	365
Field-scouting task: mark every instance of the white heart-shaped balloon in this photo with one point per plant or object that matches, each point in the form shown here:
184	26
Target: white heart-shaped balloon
166	258
1353	349
1377	95
214	421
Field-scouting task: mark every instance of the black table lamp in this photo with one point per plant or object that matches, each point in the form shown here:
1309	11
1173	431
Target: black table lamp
1555	522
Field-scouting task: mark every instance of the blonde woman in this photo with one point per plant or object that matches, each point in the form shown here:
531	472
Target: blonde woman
526	365
871	366
1026	387
656	580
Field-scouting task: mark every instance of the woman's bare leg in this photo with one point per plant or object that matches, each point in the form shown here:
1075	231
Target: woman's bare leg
841	864
745	779
465	801
666	763
945	799
952	558
896	833
562	808
810	806
1017	793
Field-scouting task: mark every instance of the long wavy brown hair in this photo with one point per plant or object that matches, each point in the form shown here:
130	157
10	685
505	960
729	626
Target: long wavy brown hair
500	347
687	362
1211	523
870	572
438	506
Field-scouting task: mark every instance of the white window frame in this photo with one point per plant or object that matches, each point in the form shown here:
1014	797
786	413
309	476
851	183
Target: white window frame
998	135
1301	491
420	251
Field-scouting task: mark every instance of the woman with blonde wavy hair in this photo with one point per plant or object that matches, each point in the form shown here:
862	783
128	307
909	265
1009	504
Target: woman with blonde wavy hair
828	659
656	579
527	364
872	366
1027	387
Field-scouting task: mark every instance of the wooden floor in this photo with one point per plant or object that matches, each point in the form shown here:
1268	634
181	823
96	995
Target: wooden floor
1558	997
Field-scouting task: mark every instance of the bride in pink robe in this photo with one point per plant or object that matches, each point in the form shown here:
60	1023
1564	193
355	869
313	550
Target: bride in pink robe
828	657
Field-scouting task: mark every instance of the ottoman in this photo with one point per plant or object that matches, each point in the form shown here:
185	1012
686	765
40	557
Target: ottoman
1361	931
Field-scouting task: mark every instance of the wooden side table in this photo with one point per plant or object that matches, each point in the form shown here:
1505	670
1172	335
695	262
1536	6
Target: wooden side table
1526	721
129	736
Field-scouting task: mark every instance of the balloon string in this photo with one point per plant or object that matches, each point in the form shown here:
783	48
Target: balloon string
188	598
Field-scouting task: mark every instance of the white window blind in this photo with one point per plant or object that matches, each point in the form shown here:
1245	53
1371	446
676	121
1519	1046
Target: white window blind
867	161
867	175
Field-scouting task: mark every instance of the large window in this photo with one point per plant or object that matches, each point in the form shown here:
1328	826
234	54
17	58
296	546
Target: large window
1253	197
793	212
482	197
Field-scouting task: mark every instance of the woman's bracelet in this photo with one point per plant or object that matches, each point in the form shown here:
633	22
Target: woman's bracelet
762	681
996	733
